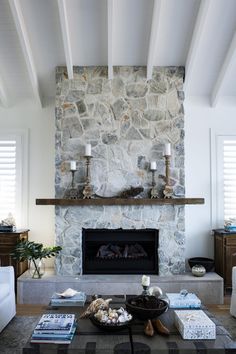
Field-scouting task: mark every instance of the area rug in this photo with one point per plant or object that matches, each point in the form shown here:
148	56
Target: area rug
17	333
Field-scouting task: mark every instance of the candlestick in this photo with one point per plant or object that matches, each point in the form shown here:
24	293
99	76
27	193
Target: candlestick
88	150
88	191
145	285
168	190
167	150
153	191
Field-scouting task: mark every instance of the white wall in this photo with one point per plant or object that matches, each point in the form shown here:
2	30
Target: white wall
40	125
200	119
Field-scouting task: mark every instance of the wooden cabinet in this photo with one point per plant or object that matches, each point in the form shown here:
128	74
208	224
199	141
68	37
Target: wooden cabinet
225	254
8	240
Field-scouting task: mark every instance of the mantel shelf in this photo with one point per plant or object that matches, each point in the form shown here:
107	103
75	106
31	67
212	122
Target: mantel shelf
120	201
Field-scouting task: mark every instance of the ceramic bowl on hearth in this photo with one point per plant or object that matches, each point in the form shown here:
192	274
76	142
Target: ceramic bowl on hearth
138	310
207	263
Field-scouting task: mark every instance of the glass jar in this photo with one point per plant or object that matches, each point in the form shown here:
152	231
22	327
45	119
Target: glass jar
36	268
198	270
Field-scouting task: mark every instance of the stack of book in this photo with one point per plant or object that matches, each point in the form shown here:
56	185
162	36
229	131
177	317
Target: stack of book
54	328
76	300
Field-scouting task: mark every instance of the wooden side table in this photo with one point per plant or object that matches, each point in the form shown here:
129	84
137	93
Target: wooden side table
225	255
8	241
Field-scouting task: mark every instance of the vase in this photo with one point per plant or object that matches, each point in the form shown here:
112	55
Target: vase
198	270
36	268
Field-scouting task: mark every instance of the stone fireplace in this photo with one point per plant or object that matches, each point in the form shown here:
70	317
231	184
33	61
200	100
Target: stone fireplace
127	120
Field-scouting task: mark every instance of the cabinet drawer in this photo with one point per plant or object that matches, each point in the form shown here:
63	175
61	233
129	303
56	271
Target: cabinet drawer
230	240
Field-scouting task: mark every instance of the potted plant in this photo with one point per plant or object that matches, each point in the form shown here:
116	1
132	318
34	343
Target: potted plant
34	253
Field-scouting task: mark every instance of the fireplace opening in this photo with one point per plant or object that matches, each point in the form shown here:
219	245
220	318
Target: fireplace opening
120	251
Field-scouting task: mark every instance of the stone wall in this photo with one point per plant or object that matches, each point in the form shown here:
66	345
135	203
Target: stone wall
127	120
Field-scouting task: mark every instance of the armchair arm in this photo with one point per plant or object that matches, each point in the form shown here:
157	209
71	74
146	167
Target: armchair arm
7	275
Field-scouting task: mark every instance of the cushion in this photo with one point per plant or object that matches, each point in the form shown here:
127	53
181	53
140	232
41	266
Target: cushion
4	290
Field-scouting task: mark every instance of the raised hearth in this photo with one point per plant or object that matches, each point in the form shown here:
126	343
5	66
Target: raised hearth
120	251
38	291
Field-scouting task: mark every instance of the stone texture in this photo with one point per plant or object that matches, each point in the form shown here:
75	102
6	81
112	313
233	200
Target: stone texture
127	120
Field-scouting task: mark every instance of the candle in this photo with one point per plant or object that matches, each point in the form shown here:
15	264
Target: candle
167	149
73	165
145	280
88	150
153	166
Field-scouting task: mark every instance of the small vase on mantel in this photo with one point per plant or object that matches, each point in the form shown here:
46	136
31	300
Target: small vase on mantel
36	268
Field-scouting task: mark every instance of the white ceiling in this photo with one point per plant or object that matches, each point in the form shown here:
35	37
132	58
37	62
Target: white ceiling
38	35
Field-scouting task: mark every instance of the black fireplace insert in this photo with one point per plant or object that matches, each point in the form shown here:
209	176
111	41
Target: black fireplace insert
120	251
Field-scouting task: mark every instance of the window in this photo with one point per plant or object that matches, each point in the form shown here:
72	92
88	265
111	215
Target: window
12	165
226	178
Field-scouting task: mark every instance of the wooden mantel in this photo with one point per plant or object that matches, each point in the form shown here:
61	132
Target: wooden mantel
120	201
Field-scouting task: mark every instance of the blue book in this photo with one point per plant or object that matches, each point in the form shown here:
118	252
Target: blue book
53	338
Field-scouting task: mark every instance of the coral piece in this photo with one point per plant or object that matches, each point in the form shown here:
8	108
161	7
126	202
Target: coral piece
98	304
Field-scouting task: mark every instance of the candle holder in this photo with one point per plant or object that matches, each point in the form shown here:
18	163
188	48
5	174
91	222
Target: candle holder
153	191
145	291
88	190
168	190
72	192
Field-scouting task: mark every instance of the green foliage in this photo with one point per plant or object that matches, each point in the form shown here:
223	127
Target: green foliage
27	250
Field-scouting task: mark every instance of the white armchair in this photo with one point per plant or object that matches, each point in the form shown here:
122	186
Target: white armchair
7	296
233	296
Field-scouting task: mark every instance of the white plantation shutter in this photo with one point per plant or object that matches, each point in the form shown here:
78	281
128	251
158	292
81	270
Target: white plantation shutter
7	178
229	173
226	178
13	153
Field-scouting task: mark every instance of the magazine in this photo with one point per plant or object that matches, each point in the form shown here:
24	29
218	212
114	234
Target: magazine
55	323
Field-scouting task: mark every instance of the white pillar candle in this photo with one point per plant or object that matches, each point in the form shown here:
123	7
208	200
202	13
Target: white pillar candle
145	280
167	149
153	166
88	150
73	165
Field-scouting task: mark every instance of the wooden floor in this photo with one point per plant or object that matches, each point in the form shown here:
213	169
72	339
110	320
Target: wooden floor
36	310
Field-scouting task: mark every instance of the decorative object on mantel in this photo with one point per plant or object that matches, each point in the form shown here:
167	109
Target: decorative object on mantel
168	190
153	168
72	192
88	190
127	193
198	270
34	253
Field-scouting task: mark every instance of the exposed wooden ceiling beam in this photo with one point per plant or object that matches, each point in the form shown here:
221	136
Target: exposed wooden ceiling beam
25	44
3	94
228	61
153	37
66	36
198	32
110	14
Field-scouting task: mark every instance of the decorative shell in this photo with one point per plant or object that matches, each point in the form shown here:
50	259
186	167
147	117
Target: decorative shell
113	316
68	293
95	306
155	291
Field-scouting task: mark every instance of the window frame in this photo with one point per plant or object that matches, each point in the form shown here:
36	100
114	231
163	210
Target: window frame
21	137
217	176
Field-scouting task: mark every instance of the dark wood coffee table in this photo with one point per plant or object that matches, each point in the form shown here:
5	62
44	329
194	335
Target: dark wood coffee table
92	340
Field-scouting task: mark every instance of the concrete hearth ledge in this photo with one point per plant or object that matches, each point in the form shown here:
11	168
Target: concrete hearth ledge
38	291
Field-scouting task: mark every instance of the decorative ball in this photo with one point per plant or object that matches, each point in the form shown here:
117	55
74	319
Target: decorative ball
198	270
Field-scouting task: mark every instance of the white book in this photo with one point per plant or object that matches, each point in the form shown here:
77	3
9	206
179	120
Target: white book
55	323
